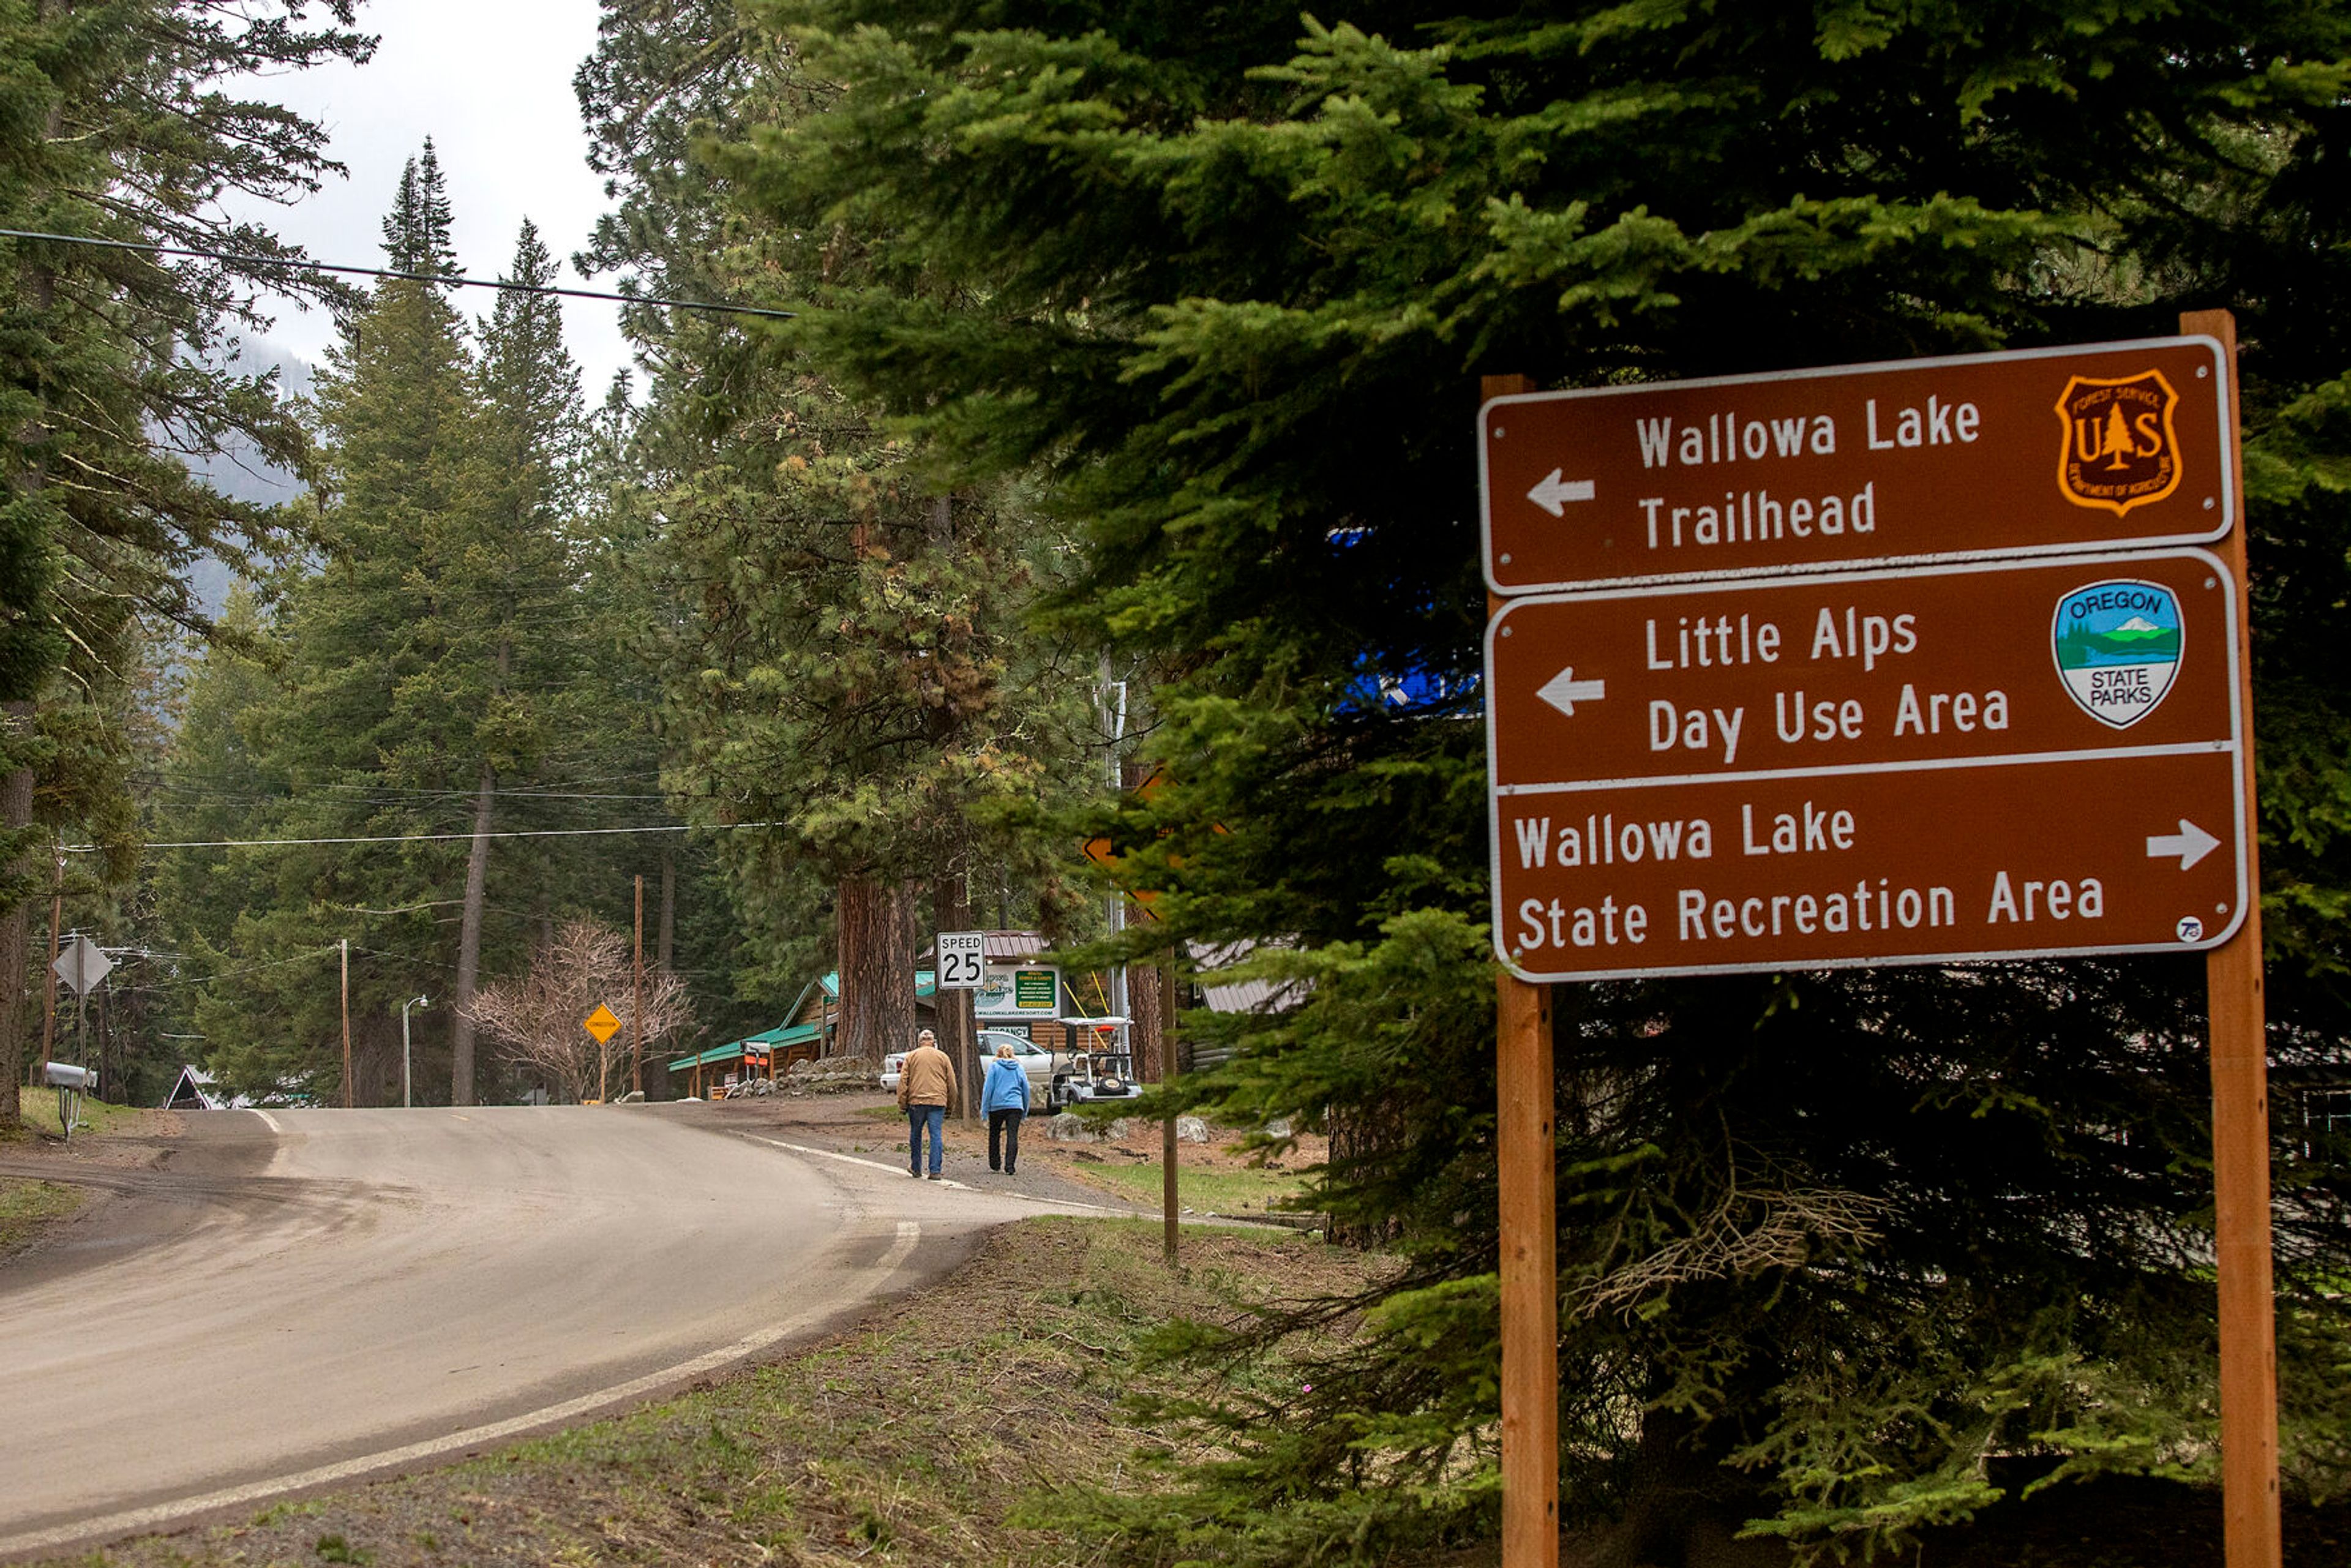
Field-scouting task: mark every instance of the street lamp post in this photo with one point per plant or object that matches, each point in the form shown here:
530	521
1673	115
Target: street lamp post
419	1002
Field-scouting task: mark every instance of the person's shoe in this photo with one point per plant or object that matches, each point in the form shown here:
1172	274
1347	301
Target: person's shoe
916	1174
935	1176
1010	1171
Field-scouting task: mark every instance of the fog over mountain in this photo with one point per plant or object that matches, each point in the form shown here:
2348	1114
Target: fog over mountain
243	473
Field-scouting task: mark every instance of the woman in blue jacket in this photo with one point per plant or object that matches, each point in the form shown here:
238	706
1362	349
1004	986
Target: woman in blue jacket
1005	1101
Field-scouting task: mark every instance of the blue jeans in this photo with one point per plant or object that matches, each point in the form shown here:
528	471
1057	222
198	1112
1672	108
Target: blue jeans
934	1117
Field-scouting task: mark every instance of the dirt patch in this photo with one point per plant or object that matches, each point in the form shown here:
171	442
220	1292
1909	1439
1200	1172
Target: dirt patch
907	1440
41	1172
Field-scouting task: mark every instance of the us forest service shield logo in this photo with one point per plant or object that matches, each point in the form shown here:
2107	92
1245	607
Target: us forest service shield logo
2119	450
2117	647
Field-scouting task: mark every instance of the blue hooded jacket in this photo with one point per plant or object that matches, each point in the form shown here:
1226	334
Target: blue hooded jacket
1008	1086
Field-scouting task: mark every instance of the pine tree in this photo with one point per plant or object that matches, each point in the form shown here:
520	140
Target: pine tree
854	667
416	229
430	656
2118	438
1827	1240
124	121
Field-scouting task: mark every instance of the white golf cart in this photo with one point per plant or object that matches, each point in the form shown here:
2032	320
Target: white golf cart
1101	1067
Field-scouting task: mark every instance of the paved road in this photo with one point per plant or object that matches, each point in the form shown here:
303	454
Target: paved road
300	1298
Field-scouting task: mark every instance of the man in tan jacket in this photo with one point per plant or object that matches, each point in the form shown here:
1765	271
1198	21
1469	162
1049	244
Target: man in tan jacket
926	1087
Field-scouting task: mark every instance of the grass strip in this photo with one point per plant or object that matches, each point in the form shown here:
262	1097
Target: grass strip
26	1205
38	1107
1202	1191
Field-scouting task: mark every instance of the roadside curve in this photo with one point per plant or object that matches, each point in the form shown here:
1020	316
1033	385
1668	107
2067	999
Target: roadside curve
397	1288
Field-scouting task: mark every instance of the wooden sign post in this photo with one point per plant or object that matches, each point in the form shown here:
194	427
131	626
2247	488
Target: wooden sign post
1525	1153
1770	625
2241	1131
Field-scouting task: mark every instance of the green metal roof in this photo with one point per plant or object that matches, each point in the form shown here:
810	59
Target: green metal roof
793	1034
927	983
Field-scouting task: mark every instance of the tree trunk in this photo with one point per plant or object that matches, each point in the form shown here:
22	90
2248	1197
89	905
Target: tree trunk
958	1036
877	967
36	291
16	926
1685	1506
1147	1022
469	946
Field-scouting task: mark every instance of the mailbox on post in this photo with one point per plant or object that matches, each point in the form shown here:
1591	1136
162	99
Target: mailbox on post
71	1082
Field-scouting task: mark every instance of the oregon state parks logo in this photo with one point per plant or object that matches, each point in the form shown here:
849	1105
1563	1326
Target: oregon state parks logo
2117	647
2120	451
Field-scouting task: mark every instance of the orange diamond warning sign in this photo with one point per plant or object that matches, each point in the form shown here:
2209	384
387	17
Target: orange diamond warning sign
600	1023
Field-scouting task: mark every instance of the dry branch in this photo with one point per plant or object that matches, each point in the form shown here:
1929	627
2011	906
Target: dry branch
539	1017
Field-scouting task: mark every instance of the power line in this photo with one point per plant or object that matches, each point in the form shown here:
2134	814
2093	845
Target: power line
450	279
423	838
180	982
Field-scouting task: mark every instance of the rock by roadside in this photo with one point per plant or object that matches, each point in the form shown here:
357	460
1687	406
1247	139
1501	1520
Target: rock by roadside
833	1075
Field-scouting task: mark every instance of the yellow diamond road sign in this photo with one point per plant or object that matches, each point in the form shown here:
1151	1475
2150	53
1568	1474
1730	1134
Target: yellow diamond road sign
600	1023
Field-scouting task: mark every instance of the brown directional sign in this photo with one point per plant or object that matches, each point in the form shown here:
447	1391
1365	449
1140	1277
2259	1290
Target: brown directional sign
1985	455
1962	762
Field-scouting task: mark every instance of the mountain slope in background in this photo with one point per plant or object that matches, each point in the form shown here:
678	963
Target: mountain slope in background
243	473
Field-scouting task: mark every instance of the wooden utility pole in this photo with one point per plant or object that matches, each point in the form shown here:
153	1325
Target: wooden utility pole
2241	1119
1525	1155
637	995
49	990
345	944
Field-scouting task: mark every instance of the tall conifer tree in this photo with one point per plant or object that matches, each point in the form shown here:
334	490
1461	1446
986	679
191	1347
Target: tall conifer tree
1828	1240
122	121
431	653
855	668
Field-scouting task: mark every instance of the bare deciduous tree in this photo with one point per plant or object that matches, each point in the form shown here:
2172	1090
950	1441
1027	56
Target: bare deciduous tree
540	1017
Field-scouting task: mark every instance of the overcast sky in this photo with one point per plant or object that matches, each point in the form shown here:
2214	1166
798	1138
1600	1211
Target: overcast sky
490	81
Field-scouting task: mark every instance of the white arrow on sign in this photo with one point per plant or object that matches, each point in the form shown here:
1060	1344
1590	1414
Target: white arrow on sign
1554	491
2190	843
1563	691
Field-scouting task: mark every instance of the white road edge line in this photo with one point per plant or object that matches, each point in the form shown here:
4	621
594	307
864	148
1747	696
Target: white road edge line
141	1519
277	1154
958	1185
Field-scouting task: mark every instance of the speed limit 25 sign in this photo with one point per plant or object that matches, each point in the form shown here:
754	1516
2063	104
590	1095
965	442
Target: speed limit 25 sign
959	960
